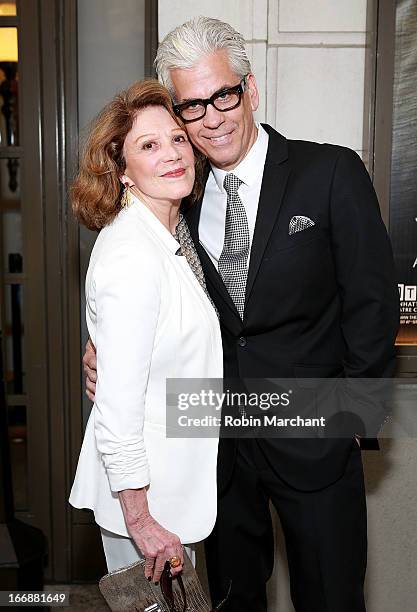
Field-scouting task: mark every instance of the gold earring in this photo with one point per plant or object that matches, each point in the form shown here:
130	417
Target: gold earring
125	199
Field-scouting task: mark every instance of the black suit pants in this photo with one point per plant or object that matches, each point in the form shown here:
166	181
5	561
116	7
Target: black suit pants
325	536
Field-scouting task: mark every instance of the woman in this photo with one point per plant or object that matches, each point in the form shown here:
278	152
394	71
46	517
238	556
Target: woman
149	319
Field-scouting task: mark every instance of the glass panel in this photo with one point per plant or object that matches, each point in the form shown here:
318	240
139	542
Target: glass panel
14	336
18	455
111	56
11	218
403	204
7	8
8	87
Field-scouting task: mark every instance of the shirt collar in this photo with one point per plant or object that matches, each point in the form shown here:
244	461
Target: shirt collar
251	166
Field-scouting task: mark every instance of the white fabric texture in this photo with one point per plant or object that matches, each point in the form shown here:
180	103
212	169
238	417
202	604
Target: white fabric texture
150	320
213	209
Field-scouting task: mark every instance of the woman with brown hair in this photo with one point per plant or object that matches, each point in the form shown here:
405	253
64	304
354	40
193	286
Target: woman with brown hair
150	318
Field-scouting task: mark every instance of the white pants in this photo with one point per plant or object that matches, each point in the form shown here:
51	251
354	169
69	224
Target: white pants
121	551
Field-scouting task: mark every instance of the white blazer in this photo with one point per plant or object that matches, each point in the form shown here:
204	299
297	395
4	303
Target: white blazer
149	320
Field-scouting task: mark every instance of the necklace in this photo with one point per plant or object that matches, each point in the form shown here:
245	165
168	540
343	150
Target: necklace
188	250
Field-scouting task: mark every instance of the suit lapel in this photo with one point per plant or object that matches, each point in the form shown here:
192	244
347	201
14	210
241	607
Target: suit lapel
274	181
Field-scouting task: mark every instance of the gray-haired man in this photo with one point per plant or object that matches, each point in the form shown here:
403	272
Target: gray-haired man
314	296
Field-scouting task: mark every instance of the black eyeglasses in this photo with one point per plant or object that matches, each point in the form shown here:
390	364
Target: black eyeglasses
224	100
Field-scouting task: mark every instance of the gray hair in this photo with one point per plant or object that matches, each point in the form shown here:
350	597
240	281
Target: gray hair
185	46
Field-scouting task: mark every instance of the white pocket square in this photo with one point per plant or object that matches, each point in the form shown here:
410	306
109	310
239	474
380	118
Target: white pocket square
299	223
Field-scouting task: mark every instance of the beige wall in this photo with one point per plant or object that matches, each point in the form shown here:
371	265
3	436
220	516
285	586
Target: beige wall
309	60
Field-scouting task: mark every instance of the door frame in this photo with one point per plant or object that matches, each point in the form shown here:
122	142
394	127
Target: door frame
382	112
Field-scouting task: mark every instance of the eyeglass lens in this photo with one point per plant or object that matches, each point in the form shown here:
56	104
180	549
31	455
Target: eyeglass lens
225	100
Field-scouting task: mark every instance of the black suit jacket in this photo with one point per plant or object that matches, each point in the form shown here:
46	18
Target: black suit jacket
322	302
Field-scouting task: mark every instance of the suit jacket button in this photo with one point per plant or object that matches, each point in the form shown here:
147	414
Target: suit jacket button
242	341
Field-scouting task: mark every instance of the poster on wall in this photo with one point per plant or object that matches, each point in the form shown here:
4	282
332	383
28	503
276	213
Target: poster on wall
403	200
408	314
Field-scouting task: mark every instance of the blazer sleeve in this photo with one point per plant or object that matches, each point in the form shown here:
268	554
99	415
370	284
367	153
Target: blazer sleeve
365	271
127	305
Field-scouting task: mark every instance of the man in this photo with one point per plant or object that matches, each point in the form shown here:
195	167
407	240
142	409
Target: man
299	265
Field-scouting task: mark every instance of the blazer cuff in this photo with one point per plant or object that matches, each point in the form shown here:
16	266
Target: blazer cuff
120	482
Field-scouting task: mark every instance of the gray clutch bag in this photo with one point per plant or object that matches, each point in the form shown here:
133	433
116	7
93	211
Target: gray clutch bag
127	590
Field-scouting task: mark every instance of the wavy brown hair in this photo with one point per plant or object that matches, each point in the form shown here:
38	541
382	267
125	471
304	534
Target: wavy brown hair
96	191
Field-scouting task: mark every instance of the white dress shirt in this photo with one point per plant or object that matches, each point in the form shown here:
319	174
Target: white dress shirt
213	208
150	320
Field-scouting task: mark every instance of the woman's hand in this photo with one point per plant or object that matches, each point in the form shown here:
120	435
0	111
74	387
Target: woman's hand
156	543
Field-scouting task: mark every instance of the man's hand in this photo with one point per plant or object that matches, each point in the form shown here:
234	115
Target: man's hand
90	369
